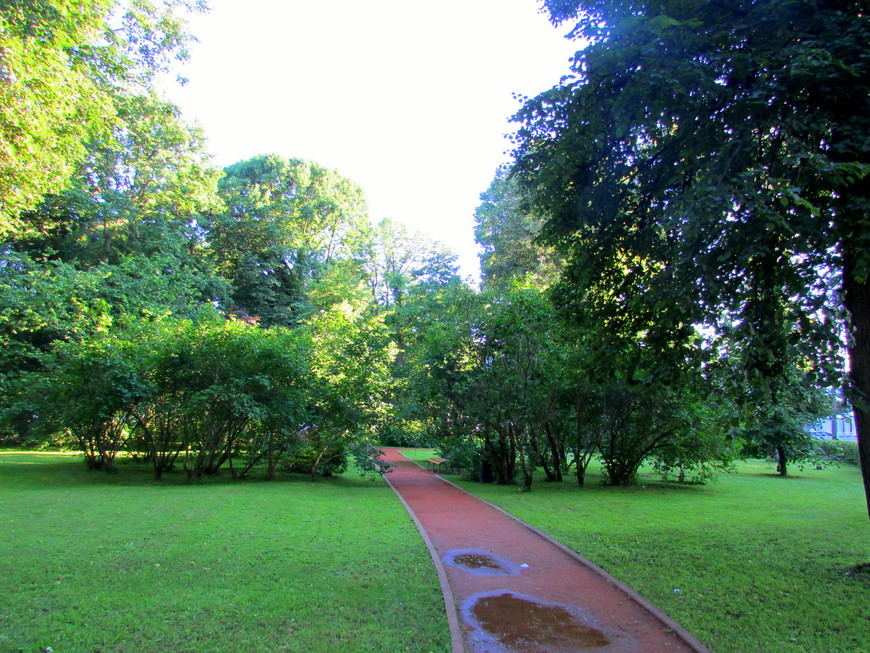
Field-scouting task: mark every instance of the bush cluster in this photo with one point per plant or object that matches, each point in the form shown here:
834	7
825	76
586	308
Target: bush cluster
838	451
199	396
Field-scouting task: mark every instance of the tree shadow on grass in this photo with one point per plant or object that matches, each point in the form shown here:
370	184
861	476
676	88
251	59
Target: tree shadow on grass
34	472
777	475
859	572
595	487
676	486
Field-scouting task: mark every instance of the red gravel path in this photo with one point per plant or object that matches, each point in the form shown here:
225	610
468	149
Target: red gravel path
507	587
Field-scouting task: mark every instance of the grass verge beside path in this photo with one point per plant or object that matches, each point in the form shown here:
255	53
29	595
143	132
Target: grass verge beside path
761	562
123	563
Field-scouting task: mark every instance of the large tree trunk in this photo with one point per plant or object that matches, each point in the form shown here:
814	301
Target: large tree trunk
557	453
544	458
857	301
781	461
502	456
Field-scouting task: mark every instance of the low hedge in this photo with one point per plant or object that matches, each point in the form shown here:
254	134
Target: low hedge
840	451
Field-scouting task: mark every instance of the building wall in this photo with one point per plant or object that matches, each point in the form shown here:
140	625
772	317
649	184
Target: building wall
839	427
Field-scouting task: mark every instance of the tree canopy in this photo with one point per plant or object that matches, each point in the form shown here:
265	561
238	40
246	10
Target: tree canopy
709	162
508	235
664	273
286	221
60	64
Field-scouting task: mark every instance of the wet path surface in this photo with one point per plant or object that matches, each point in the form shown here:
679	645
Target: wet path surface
511	589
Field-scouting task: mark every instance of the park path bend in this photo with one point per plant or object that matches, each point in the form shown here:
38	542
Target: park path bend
510	589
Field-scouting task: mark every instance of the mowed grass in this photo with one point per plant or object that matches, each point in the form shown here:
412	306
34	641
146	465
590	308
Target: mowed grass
93	562
761	563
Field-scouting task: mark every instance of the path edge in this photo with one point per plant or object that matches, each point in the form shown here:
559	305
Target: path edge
457	638
692	641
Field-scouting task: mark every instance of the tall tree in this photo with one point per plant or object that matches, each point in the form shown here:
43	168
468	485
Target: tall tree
143	189
731	140
124	243
49	101
400	266
397	259
285	221
507	233
60	63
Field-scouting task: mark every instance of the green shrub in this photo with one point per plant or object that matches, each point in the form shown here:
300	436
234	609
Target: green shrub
315	452
407	433
316	462
838	451
464	455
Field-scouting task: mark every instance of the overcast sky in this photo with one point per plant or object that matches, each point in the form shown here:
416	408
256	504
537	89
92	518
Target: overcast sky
409	99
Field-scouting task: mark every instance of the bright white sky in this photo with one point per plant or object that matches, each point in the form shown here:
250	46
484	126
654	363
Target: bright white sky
409	99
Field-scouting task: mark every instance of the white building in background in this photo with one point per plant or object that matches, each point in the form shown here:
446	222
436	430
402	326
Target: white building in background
838	427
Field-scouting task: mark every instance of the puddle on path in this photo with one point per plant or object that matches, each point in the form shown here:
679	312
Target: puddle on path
510	622
481	562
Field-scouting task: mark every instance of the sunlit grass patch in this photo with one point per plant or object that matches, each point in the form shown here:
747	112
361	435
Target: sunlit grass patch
123	563
752	562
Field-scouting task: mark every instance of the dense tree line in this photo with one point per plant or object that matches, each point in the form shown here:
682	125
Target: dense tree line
153	304
660	267
707	164
573	351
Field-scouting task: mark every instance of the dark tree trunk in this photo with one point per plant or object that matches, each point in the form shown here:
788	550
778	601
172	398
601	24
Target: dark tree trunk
502	456
542	458
273	455
527	466
527	481
857	302
781	462
584	444
581	474
107	246
557	454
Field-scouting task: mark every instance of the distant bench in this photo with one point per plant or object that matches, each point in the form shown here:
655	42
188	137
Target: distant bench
436	463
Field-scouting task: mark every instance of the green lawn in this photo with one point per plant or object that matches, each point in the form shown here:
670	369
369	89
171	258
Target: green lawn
761	562
93	562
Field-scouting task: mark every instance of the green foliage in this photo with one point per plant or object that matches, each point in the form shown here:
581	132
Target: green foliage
49	101
229	384
142	190
839	452
43	302
122	246
351	377
90	391
204	392
508	236
310	454
286	222
404	272
399	261
61	65
407	433
783	442
709	165
635	424
780	420
512	387
464	454
697	453
119	254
